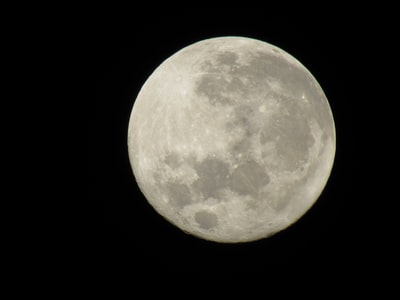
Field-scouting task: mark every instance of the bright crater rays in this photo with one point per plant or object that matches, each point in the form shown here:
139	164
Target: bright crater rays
231	139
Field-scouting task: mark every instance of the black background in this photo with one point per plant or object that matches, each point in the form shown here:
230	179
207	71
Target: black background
130	238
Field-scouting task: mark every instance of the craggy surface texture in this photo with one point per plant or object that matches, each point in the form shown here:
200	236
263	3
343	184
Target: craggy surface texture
231	139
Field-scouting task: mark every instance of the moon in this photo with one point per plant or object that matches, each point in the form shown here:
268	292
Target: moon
231	139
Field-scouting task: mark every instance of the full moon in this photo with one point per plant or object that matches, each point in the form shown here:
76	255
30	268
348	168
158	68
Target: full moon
231	139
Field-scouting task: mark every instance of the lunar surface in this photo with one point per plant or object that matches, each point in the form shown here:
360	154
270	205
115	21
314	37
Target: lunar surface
231	139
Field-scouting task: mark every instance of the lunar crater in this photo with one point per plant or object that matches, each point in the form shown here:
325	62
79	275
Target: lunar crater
249	178
178	194
213	175
206	220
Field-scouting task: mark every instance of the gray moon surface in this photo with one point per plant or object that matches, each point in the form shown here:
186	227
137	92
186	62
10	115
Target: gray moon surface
231	139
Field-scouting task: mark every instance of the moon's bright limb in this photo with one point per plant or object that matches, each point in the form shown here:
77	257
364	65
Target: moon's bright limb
231	139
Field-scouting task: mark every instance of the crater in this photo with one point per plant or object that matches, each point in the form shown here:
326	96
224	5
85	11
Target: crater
241	147
263	137
215	88
173	160
241	123
243	113
290	131
227	58
295	141
280	202
205	219
249	178
213	176
178	194
252	204
220	82
268	65
275	50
